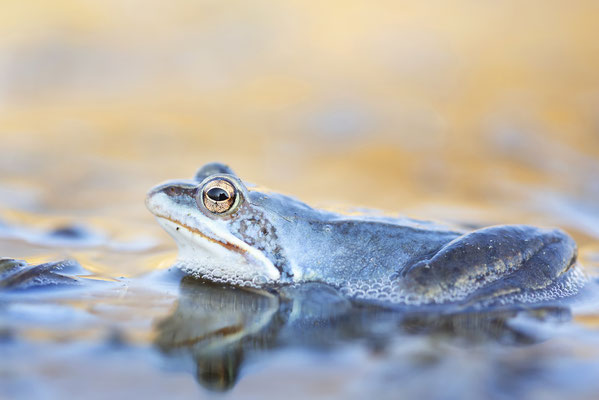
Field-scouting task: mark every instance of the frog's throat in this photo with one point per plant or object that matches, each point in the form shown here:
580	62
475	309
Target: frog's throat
230	243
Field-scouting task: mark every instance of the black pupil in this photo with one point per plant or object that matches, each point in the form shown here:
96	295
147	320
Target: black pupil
217	194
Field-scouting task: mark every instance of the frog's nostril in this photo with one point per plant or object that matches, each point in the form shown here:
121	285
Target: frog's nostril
173	191
176	190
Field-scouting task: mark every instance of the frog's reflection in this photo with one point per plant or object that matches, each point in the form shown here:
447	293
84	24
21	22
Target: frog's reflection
222	327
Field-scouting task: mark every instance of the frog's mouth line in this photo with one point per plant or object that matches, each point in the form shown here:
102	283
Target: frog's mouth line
253	261
226	245
219	333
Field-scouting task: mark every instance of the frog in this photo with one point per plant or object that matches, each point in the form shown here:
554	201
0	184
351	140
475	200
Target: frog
232	232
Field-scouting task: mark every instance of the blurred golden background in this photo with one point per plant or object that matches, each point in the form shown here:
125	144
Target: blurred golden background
469	111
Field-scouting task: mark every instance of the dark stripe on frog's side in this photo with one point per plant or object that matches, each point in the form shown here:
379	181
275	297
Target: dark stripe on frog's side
267	243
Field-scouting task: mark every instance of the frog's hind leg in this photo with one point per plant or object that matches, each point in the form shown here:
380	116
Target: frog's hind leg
503	264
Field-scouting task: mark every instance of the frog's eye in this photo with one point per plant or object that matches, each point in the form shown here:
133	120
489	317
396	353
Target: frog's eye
219	196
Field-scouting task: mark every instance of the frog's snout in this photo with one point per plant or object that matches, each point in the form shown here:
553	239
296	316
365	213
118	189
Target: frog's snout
175	191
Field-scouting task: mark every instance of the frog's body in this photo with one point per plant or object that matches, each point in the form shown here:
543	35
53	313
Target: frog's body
265	238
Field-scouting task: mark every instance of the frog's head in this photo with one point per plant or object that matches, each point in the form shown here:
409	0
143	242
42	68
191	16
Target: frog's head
220	233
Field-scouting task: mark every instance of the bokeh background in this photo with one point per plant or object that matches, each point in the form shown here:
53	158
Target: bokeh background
477	112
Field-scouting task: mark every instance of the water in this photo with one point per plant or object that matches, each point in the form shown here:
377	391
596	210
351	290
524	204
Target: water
166	335
474	114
